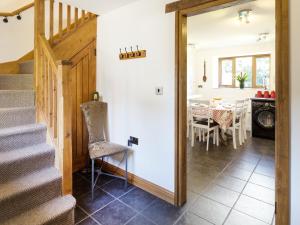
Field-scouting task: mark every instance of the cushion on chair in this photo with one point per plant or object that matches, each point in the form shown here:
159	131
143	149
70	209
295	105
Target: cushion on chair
100	149
95	114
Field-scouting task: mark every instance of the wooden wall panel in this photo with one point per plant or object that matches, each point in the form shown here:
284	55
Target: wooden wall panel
84	84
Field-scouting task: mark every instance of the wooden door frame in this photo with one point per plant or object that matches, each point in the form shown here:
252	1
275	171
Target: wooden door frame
282	143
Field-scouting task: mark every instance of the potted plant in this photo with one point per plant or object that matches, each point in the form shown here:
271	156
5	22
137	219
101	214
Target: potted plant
242	77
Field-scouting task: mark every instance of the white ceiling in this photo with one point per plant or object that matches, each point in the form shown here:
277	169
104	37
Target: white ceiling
95	6
223	29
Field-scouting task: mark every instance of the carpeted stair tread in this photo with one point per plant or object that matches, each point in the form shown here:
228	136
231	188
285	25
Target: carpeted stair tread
18	116
25	160
22	136
16	98
16	82
29	191
58	211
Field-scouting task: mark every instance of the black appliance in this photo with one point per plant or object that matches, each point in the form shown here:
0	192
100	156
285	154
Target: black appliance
263	118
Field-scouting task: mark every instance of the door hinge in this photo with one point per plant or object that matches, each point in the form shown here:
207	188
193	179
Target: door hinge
275	207
95	51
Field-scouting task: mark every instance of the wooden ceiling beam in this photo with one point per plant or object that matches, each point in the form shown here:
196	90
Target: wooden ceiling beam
18	11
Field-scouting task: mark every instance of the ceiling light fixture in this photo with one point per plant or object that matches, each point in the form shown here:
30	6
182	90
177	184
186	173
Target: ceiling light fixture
19	17
244	15
5	20
262	36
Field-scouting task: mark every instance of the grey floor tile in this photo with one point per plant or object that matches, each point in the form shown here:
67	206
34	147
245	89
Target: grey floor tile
140	220
255	208
238	173
231	183
210	210
191	219
116	187
261	193
244	165
100	199
263	180
79	214
116	213
80	186
266	170
221	195
163	213
238	218
138	199
88	221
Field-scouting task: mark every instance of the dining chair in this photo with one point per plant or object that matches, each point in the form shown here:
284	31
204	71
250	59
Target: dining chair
237	121
192	102
245	118
201	119
99	146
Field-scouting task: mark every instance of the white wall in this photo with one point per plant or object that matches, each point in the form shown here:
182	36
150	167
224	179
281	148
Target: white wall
210	88
129	86
295	111
17	36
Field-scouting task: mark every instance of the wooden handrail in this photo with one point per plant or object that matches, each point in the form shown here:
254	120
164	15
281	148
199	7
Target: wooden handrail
18	11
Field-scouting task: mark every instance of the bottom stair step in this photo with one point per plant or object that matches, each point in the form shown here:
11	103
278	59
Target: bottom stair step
59	211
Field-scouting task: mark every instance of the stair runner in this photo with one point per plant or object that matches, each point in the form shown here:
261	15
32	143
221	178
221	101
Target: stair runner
30	185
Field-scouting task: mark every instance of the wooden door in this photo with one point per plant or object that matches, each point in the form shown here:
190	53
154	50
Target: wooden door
83	75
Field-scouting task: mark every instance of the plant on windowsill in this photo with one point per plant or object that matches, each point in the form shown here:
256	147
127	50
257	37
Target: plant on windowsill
242	77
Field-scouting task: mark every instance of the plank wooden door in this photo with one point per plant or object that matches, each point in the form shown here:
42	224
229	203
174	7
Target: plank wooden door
83	75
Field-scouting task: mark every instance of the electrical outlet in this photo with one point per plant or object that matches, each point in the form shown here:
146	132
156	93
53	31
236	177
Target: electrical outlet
133	140
159	91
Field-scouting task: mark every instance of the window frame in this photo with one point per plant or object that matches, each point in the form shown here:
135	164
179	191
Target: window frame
254	69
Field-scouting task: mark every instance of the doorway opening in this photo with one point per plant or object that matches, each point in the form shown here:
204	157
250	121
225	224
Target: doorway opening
184	11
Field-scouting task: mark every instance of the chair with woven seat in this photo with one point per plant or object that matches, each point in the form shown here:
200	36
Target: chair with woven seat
95	114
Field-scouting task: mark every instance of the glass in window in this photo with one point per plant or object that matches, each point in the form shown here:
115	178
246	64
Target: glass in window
227	72
244	65
263	71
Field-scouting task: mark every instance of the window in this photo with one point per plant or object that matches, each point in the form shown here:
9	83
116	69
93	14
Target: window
256	66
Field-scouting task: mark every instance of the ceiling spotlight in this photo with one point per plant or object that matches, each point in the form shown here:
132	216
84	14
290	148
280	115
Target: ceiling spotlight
19	17
262	37
244	15
5	20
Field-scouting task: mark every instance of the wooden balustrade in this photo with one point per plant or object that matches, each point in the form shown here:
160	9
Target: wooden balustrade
72	20
53	80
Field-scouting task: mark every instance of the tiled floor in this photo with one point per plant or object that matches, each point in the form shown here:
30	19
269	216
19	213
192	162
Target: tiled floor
225	186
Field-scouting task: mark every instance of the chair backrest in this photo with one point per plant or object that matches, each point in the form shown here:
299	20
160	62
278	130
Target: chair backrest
199	102
95	114
238	111
246	105
200	111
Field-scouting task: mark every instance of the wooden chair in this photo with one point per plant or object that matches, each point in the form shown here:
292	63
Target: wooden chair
237	122
95	114
201	119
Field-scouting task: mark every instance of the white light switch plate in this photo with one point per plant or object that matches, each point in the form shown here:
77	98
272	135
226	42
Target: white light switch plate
159	90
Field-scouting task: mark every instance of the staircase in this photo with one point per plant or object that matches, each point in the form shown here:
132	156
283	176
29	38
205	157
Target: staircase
30	185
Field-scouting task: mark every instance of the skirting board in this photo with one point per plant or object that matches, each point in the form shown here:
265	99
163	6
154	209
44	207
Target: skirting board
154	189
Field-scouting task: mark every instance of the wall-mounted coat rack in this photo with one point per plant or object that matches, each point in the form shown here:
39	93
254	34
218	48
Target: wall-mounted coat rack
132	54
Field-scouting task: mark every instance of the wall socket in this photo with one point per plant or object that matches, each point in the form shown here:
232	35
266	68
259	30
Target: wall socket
159	90
133	140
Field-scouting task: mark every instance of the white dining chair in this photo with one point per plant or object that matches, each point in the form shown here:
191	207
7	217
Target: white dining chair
201	120
237	122
245	119
193	102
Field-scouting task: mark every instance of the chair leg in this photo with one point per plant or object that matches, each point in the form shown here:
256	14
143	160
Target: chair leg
240	135
93	178
218	137
193	136
126	169
214	138
207	141
199	134
234	138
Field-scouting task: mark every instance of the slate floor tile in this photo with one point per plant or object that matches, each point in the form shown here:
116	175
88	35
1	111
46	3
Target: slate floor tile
100	199
117	188
116	213
140	220
79	214
163	213
88	221
138	199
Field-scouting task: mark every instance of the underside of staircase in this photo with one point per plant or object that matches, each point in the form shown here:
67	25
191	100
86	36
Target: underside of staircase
30	185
